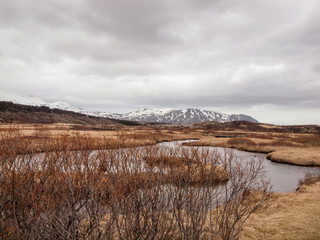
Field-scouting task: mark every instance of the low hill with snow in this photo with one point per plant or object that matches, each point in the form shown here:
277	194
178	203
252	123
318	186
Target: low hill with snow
37	102
186	116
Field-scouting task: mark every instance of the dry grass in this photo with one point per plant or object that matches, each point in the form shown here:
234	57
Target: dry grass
46	137
307	156
308	140
167	161
254	146
202	174
186	171
209	141
269	126
309	178
270	222
67	194
298	149
287	216
234	142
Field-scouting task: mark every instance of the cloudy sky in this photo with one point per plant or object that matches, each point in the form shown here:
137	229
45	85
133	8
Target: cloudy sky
260	58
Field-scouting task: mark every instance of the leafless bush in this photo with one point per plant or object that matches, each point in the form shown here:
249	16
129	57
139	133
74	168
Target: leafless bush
245	191
113	194
241	141
309	140
310	178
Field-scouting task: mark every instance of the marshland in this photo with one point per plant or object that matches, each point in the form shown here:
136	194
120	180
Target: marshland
71	181
159	120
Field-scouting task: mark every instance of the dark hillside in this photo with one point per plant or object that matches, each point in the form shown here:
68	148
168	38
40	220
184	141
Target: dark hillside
12	112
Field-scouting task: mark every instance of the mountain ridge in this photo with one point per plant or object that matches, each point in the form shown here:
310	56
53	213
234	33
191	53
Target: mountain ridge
19	113
8	96
182	116
165	115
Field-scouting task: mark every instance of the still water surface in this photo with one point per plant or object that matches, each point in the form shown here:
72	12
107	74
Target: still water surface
283	177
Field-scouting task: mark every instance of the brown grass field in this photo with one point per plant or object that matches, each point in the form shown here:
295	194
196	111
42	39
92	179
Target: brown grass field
293	148
287	216
284	216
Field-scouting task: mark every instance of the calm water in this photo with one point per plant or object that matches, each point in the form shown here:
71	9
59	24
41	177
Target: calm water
283	177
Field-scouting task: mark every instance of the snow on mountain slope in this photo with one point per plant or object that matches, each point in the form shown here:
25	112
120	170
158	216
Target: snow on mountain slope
186	116
12	97
64	106
33	101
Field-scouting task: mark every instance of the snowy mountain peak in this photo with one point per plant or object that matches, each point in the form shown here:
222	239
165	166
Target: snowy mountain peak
165	115
64	106
185	116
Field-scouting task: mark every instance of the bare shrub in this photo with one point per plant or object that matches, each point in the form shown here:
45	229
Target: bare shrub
283	142
113	194
241	141
261	136
310	178
308	141
166	161
245	191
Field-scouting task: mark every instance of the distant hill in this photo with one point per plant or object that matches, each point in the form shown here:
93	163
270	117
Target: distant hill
187	116
34	101
13	112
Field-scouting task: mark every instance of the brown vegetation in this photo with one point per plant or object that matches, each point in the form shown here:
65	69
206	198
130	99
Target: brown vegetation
70	191
240	142
18	113
257	127
304	156
293	148
71	194
167	161
309	179
288	216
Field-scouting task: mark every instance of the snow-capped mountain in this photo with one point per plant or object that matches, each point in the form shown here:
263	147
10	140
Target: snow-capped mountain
64	106
15	98
33	101
187	116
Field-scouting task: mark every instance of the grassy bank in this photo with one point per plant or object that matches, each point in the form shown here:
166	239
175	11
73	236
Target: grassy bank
287	216
304	156
297	149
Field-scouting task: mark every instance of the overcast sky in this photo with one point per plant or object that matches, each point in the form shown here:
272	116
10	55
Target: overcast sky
260	58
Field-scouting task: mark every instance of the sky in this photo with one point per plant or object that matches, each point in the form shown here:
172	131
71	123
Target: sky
260	58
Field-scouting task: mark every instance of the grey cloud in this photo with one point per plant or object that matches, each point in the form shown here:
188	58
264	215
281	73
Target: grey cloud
127	54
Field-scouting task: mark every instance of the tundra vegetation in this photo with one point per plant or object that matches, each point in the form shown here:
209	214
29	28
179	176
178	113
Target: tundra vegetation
75	181
298	145
77	187
288	216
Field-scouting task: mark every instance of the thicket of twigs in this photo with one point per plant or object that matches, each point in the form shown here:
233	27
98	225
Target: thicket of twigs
118	193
